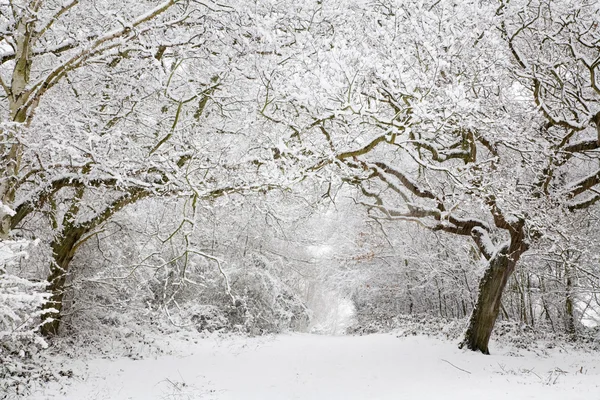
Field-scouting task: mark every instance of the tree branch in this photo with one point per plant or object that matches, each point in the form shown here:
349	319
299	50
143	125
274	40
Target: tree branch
98	46
64	9
584	184
364	150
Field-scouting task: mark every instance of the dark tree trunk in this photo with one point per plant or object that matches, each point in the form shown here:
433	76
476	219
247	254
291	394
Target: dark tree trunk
500	267
63	251
570	317
487	308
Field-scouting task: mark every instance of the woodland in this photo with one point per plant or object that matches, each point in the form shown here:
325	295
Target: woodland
324	166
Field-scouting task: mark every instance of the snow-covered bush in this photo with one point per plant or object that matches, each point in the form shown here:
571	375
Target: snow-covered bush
108	296
208	318
21	301
269	304
257	300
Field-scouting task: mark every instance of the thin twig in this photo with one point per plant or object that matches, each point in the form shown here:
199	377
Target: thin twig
463	370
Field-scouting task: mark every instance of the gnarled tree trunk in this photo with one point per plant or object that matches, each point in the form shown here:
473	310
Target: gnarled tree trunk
483	318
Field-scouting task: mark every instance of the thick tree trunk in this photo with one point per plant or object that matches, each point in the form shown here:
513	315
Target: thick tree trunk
11	151
487	308
63	251
500	268
17	95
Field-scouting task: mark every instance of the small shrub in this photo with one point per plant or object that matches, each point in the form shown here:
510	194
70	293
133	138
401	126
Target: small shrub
21	304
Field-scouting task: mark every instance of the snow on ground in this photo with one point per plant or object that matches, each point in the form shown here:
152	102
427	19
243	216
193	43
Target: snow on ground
303	366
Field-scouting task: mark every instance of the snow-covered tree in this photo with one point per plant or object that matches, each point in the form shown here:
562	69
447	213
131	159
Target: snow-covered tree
106	103
468	118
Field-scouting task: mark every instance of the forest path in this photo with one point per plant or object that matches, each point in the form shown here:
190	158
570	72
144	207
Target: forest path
303	366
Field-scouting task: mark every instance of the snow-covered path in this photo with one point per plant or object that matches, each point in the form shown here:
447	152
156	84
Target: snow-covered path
347	367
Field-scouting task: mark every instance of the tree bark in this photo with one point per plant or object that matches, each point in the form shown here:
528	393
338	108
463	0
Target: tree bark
483	318
63	251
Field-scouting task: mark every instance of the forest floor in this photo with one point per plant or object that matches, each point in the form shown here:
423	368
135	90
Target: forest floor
303	366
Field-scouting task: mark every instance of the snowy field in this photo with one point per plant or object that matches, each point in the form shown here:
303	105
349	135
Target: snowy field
303	366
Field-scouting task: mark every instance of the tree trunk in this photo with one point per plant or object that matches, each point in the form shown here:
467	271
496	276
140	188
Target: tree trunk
63	251
570	316
487	308
11	148
500	267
